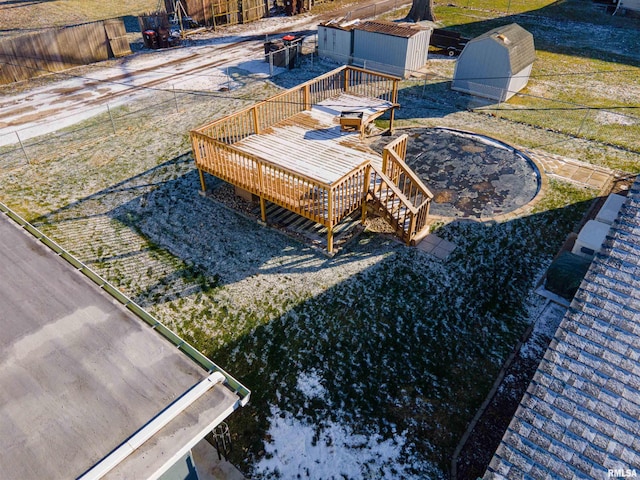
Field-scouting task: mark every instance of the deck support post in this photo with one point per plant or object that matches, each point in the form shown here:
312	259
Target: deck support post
263	210
202	184
394	99
330	220
391	117
412	227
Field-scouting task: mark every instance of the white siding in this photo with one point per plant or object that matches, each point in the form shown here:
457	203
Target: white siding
334	43
484	69
518	82
380	52
417	50
630	5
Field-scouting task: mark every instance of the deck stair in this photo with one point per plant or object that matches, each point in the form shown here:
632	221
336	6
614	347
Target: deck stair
290	151
399	194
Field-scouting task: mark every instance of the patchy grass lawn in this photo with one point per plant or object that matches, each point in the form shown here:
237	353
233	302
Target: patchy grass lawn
20	16
378	357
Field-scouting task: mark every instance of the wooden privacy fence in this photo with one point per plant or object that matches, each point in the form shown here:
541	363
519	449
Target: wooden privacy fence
55	50
222	12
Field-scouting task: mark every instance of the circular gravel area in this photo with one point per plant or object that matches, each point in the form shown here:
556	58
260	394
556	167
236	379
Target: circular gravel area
470	175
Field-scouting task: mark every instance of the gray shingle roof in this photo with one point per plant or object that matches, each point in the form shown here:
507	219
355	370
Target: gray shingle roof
580	415
517	41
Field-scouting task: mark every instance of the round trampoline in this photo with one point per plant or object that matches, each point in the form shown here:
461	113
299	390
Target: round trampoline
470	175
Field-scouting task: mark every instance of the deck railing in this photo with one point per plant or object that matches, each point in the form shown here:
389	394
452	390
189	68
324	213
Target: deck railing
255	119
402	214
276	184
279	108
394	167
348	193
323	203
370	84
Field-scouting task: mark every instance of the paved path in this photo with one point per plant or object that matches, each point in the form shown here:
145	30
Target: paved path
210	467
575	171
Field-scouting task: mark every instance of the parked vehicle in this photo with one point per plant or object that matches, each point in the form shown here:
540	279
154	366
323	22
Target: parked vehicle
449	41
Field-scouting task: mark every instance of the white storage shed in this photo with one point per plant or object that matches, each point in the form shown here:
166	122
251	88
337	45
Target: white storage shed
394	48
627	5
335	40
497	64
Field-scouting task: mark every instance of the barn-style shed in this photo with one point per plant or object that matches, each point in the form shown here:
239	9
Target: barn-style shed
627	5
497	64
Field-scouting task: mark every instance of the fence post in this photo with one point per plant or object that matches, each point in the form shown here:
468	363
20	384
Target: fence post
584	119
113	124
175	98
22	147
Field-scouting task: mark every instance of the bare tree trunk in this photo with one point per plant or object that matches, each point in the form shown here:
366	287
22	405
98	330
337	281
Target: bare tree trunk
421	10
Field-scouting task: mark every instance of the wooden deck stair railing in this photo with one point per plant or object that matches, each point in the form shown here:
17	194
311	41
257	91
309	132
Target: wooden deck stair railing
399	191
402	215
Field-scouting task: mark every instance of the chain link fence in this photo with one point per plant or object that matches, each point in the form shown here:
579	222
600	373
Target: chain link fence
166	115
163	116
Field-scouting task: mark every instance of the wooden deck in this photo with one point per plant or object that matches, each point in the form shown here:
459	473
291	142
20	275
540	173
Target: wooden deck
290	150
311	142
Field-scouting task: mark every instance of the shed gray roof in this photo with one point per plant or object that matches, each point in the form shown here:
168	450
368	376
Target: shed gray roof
517	41
580	415
80	374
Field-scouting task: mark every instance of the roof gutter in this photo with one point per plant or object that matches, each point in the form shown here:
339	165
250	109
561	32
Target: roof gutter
109	462
243	392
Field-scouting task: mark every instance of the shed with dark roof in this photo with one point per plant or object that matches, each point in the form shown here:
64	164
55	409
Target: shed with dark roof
387	47
394	48
497	64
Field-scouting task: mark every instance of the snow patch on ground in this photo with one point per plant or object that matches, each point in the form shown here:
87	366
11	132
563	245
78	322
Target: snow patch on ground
611	118
298	449
310	385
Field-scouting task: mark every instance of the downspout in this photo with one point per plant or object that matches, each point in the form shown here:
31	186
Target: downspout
617	7
109	462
